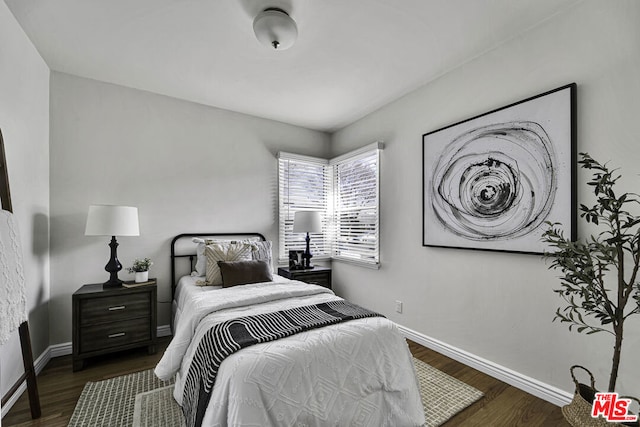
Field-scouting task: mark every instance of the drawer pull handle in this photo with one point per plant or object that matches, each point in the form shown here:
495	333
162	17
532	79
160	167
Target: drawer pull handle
119	334
117	307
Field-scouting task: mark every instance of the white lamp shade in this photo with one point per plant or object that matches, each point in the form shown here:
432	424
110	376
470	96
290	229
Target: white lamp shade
108	220
307	222
274	28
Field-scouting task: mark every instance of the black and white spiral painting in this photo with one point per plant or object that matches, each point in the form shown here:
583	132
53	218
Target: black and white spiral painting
491	182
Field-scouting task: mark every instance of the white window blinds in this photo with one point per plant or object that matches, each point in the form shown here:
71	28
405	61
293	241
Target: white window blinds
356	206
346	190
304	184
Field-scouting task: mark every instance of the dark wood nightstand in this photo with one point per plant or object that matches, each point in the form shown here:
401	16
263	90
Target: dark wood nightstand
317	275
106	320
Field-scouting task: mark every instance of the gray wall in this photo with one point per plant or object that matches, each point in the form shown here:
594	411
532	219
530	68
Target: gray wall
24	120
187	167
499	306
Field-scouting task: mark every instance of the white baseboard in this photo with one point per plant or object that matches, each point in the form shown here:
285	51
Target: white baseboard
530	385
38	365
164	331
58	350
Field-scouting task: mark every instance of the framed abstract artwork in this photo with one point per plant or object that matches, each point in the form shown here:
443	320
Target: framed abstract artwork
492	181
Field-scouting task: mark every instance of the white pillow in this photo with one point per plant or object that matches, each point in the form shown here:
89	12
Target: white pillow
262	252
233	251
201	258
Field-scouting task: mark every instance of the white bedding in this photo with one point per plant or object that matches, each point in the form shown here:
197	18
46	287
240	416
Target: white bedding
189	293
354	373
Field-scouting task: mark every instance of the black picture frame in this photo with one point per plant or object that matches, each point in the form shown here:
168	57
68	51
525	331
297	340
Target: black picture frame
296	260
492	181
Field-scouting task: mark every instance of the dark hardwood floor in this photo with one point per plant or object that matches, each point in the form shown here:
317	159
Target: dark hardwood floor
60	388
502	404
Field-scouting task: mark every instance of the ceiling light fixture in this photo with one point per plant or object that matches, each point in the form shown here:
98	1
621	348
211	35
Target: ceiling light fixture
275	28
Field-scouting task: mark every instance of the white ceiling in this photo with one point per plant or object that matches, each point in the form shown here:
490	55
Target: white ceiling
351	56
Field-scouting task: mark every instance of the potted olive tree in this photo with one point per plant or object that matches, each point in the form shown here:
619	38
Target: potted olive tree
599	282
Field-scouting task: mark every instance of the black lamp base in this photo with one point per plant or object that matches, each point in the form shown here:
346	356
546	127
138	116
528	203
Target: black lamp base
113	284
113	266
306	257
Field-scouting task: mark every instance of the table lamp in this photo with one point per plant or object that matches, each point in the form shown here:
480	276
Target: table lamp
307	222
108	220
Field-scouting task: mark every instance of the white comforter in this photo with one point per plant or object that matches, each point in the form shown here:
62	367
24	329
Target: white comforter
354	373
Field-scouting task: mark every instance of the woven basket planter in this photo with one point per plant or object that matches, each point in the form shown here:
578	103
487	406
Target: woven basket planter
578	412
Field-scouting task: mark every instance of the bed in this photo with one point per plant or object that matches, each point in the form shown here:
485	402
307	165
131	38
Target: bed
354	369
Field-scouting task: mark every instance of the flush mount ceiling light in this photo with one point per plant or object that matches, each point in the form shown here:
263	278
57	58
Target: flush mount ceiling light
275	28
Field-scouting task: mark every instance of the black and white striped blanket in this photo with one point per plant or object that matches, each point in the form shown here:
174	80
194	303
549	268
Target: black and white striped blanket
226	338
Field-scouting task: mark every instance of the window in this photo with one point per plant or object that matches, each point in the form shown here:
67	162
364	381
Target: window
356	206
304	184
346	190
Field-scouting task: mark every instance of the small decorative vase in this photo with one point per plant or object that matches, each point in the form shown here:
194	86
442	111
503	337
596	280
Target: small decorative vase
142	276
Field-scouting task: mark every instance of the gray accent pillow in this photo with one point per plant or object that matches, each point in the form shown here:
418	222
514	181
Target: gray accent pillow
244	272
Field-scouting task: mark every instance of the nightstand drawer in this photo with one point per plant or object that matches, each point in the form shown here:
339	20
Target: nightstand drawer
114	308
109	335
317	275
321	279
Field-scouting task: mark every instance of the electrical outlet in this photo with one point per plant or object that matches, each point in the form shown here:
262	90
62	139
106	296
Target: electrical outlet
398	306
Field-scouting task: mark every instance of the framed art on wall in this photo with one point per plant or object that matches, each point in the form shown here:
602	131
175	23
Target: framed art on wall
492	181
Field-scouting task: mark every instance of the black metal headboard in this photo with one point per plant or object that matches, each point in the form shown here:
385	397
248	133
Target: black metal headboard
191	252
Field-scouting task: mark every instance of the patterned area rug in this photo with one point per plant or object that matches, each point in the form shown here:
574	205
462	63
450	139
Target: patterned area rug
442	395
141	400
111	402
